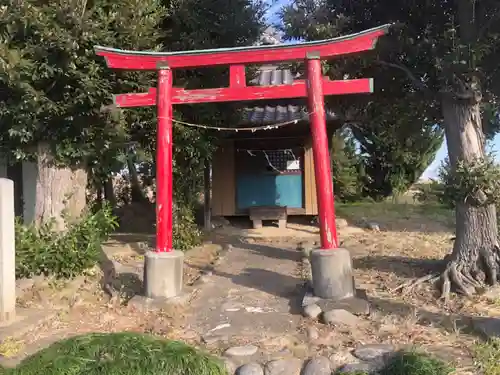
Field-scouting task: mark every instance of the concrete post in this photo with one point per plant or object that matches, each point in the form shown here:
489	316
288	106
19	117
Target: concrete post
163	274
7	252
332	274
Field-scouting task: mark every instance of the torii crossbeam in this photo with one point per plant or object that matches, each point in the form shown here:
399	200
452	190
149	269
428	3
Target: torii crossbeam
314	88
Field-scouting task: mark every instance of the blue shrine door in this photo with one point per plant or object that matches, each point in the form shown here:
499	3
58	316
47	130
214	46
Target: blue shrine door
274	178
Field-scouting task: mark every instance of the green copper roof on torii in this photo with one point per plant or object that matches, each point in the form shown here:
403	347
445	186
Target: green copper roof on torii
147	60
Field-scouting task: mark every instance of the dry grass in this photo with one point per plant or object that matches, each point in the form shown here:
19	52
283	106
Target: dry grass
84	308
411	242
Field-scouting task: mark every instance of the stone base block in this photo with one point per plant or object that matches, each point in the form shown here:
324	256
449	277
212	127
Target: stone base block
332	274
163	274
145	304
357	305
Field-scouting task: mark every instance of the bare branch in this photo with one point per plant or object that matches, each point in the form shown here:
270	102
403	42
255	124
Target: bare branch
417	83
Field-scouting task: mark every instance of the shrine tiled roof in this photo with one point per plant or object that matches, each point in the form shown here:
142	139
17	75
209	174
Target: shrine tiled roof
277	111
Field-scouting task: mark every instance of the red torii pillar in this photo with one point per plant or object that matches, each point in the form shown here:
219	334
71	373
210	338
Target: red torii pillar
332	274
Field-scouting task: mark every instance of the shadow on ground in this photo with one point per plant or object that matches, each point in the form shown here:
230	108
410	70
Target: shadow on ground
452	323
122	282
271	251
270	282
399	265
292	288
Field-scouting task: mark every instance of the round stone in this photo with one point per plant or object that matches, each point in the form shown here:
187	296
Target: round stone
373	352
284	353
341	223
291	366
250	369
318	366
374	227
213	338
241	351
341	358
357	368
341	317
312	311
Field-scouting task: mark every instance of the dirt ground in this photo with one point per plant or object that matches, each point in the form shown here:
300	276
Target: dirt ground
252	295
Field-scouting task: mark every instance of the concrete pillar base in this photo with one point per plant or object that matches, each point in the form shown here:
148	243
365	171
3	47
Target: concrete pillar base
332	274
163	274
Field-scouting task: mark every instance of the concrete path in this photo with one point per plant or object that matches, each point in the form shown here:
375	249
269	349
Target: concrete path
252	297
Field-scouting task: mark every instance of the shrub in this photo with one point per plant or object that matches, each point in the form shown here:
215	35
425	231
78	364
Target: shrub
44	251
119	354
347	171
487	356
414	363
432	193
186	234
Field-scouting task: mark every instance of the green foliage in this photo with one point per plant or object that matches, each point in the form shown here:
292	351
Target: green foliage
476	182
46	251
396	127
431	193
434	50
346	168
204	24
414	363
186	233
487	357
432	47
396	147
119	354
53	86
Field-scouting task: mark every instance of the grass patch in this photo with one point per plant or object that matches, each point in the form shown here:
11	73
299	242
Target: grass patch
119	354
487	357
389	212
414	363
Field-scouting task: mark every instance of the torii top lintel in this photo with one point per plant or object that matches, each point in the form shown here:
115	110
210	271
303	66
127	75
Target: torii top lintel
328	48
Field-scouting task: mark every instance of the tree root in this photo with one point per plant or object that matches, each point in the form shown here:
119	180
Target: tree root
463	277
462	281
408	286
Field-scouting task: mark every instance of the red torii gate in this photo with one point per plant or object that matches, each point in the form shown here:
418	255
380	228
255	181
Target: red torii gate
315	87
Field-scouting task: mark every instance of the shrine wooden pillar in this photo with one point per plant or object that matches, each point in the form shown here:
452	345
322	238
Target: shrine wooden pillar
164	183
321	153
331	270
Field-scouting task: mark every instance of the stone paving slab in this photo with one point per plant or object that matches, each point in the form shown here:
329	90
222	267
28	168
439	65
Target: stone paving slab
252	296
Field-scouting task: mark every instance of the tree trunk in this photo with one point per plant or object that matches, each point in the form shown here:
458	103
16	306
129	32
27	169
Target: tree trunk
137	194
60	191
109	192
475	257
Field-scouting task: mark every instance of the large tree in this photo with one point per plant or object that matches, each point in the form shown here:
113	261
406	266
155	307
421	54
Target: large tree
447	54
396	146
392	163
206	24
53	89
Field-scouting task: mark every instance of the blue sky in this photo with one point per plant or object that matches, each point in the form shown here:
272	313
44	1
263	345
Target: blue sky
431	172
274	7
